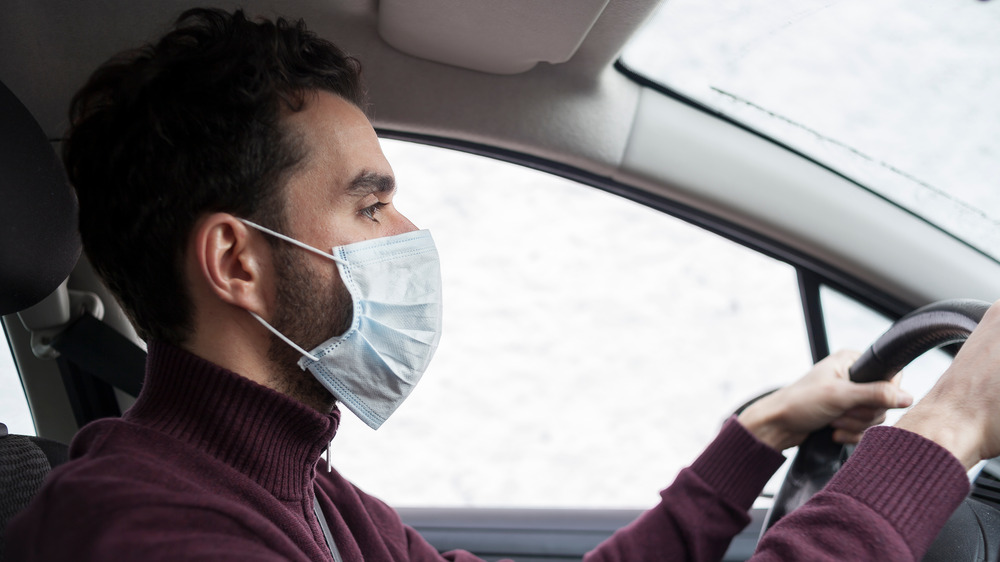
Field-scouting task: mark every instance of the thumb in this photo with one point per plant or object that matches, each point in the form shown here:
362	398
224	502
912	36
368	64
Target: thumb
880	394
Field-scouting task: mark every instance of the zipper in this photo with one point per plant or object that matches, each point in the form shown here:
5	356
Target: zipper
326	531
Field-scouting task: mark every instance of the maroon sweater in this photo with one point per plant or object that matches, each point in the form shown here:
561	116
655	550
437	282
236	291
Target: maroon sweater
210	466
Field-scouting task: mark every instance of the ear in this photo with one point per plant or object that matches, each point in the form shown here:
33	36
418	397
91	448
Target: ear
231	261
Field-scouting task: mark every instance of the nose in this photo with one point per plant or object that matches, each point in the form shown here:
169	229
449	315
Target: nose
402	225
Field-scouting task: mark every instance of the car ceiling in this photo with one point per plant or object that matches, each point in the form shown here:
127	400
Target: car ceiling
51	46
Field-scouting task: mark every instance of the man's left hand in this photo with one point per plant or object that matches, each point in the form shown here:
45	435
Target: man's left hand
824	396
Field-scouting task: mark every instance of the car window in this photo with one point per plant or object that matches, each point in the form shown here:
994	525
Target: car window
592	346
14	411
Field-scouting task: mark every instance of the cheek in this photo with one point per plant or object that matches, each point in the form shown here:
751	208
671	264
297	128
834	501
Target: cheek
340	307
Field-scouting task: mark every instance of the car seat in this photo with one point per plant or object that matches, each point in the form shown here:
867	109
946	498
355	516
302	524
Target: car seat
24	463
39	246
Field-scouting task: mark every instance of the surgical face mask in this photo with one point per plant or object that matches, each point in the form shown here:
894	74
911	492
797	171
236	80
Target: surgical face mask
395	285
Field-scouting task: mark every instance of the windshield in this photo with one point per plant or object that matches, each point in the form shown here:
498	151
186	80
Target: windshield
902	96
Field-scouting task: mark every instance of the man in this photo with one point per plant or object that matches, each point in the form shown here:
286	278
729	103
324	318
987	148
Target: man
235	199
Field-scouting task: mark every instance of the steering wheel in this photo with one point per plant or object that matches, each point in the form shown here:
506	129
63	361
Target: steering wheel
924	329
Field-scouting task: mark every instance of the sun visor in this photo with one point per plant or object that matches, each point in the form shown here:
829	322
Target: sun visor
505	37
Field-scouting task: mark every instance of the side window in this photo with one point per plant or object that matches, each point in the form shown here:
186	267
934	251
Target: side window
14	412
850	324
592	346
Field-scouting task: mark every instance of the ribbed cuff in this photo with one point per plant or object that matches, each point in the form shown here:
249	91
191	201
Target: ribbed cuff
914	483
737	465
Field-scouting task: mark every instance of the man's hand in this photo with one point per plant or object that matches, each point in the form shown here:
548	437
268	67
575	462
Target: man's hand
960	413
824	396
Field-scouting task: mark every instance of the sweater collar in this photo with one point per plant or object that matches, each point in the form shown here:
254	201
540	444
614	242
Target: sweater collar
269	437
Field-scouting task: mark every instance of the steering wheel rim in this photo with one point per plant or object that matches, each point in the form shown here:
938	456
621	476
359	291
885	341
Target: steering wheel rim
929	327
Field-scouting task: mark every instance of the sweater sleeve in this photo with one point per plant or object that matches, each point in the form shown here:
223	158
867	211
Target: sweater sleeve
703	509
888	502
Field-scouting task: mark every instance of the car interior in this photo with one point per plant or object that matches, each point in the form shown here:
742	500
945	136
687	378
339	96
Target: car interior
540	85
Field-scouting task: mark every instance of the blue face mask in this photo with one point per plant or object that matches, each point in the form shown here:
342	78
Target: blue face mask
395	285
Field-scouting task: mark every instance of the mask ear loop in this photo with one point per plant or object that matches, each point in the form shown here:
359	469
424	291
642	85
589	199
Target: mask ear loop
291	240
284	338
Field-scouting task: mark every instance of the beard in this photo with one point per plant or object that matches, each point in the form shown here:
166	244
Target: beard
308	313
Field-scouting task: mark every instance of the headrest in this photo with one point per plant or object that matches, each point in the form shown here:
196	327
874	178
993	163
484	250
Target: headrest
39	241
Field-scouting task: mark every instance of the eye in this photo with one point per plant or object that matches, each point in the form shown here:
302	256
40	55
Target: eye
372	211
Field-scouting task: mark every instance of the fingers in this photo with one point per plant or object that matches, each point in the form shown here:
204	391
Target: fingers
876	399
878	395
860	421
849	428
864	414
870	402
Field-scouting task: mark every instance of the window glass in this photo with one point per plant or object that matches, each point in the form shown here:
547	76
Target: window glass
851	325
14	412
899	95
592	346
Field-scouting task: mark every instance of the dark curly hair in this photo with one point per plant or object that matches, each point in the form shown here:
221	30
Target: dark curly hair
191	125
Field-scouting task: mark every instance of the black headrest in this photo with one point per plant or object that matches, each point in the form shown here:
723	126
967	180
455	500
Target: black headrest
39	242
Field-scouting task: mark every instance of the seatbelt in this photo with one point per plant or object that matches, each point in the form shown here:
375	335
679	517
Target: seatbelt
326	530
104	353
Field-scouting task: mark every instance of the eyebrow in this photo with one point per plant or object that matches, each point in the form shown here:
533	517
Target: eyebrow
371	182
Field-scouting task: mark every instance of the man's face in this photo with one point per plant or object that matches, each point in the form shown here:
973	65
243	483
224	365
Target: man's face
341	192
